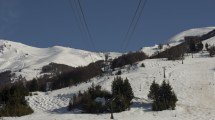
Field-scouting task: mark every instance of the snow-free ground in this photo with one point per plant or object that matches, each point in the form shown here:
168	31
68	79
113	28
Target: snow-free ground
193	83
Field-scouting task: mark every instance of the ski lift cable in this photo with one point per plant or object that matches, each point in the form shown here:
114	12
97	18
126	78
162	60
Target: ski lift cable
77	19
86	25
81	19
131	23
138	19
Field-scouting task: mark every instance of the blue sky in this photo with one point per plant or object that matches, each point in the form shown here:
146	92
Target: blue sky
45	23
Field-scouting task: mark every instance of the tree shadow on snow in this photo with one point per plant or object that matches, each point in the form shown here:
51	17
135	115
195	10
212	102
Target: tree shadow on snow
136	104
141	105
62	110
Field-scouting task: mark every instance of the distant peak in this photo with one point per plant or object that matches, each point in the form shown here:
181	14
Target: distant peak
191	32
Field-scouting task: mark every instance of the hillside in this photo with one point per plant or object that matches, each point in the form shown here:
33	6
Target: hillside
179	38
193	81
192	32
27	61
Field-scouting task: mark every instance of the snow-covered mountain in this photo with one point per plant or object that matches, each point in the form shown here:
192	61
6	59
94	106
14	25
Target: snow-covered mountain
179	38
192	32
193	82
27	61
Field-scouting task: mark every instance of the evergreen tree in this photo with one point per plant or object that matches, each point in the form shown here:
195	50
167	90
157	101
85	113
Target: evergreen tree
154	91
173	101
128	90
117	86
212	51
200	46
14	100
167	96
206	46
120	99
163	96
142	65
34	85
192	46
165	91
119	103
122	94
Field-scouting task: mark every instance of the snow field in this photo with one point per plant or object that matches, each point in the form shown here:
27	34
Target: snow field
27	61
193	83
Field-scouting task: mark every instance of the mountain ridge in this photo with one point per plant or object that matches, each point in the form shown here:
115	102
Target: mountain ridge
29	60
180	38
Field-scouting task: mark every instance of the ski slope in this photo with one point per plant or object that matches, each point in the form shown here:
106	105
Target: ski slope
193	83
27	61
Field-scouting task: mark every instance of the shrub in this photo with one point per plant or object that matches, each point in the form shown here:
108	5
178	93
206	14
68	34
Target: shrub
160	46
142	65
119	72
14	101
173	53
200	46
65	78
18	110
127	59
86	101
120	99
212	51
33	85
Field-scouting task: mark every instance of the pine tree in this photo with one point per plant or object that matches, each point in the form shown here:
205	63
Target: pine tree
154	91
163	96
128	90
14	100
200	46
34	85
122	94
173	101
192	46
117	86
165	91
119	103
167	96
212	51
206	46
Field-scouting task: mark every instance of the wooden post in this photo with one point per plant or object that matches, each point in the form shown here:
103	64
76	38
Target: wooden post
164	69
182	58
111	117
